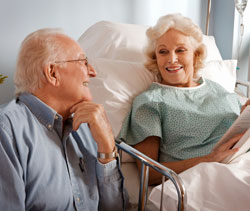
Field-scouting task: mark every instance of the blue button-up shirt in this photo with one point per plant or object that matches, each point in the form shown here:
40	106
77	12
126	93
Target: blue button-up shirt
46	166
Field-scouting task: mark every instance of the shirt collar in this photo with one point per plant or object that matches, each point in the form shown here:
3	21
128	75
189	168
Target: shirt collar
45	114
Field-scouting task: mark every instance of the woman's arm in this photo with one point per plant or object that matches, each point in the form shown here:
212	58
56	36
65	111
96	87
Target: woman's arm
150	147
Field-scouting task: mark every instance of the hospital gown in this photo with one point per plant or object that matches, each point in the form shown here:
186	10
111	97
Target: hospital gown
188	120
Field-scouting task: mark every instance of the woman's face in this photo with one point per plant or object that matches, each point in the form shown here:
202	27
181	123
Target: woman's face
175	59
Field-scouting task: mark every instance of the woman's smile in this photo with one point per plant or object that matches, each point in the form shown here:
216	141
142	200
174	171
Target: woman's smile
174	69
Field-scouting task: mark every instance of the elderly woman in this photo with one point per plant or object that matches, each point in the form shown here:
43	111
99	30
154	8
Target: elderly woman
180	118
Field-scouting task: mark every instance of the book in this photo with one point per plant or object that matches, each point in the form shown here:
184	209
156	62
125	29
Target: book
241	124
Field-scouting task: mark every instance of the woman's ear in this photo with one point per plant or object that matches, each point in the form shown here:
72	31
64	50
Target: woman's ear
196	55
52	75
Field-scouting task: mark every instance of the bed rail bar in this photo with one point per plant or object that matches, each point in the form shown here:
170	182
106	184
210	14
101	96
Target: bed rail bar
167	173
244	83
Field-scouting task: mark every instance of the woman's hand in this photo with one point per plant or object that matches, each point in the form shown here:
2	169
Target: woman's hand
245	105
224	150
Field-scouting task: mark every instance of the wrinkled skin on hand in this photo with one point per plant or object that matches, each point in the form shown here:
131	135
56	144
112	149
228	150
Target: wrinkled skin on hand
94	114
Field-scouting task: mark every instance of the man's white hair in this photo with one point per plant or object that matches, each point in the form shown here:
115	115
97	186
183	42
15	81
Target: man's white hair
37	50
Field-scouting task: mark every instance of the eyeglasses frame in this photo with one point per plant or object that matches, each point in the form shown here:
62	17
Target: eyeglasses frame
75	60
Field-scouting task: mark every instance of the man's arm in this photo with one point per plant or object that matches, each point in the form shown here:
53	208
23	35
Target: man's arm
12	188
110	180
94	114
113	195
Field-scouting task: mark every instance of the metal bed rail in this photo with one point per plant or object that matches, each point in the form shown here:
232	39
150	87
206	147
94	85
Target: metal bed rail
244	83
166	173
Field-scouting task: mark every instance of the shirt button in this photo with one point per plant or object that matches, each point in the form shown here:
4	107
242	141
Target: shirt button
49	126
77	199
56	117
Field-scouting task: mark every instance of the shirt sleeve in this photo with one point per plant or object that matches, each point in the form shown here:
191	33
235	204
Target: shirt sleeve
12	188
113	195
144	120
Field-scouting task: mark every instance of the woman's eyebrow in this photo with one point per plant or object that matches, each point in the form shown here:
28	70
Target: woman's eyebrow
161	46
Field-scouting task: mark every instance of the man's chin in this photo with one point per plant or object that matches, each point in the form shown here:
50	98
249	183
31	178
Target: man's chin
86	98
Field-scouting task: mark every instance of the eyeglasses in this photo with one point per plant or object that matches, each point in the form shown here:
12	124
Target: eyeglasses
81	61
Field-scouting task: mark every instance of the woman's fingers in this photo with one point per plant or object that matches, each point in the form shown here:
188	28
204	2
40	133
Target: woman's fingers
231	142
226	149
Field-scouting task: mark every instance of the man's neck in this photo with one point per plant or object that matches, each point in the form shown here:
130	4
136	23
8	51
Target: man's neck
52	101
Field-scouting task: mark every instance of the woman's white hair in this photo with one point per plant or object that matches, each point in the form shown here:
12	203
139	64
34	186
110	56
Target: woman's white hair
37	50
182	24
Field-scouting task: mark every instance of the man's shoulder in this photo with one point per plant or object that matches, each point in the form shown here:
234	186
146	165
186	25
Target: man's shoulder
11	112
12	107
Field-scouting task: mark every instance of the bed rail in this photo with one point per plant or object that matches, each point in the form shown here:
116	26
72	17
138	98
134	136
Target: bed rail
244	83
166	173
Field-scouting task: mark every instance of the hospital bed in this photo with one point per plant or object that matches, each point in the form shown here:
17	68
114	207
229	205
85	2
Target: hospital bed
115	50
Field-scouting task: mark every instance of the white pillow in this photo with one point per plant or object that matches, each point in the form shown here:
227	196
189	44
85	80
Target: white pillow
117	41
122	41
213	52
222	72
116	85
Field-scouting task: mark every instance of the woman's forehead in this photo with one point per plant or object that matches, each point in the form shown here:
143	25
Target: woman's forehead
173	36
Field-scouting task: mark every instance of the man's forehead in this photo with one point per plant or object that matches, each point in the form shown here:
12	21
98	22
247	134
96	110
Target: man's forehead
81	55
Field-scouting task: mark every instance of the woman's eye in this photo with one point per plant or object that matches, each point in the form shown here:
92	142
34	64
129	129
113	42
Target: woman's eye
180	50
163	51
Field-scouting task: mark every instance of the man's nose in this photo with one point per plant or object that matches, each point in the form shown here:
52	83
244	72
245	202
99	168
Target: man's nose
91	71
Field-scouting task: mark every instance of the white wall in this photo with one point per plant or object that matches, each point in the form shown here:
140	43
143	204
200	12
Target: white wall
149	12
225	27
242	54
20	17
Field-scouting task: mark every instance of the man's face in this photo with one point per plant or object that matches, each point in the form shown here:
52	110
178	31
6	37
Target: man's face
75	74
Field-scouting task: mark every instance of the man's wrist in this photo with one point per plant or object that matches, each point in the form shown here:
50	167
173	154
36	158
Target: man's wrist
110	155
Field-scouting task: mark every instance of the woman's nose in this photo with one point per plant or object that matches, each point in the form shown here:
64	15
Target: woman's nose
91	71
172	58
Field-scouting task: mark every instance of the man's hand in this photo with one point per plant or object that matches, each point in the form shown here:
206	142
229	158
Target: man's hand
95	116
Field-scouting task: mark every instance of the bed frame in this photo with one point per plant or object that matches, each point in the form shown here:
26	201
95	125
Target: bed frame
147	163
167	173
245	84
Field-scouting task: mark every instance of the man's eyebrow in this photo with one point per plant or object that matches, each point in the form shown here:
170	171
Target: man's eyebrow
82	56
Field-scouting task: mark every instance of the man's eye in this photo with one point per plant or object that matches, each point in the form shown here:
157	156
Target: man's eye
83	62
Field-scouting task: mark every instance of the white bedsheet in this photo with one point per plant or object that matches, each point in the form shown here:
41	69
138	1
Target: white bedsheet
211	187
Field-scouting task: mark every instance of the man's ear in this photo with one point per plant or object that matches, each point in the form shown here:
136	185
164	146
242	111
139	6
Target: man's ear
52	75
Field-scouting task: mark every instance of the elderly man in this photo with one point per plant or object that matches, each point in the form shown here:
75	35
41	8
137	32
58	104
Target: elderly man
57	150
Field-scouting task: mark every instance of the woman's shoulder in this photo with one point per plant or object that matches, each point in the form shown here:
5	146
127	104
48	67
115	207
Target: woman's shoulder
216	86
152	94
